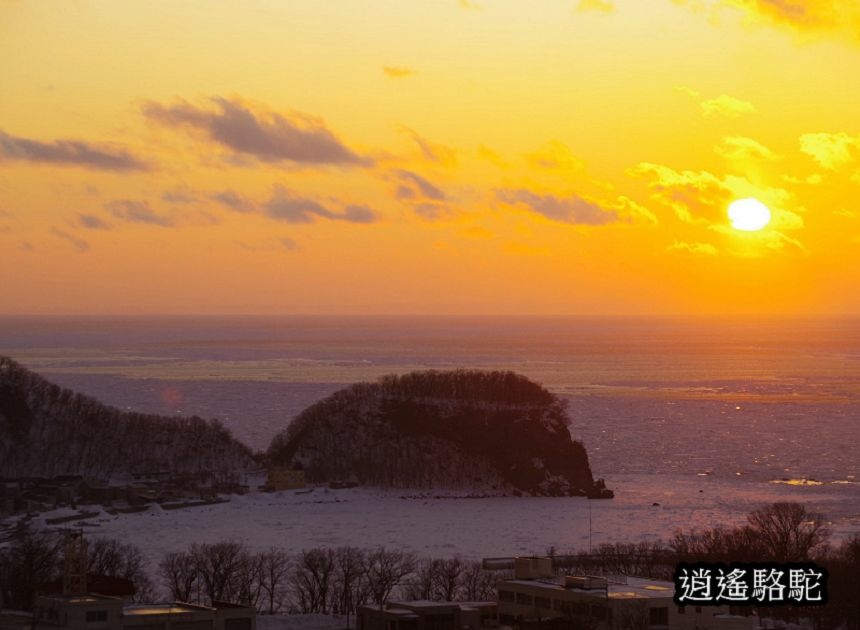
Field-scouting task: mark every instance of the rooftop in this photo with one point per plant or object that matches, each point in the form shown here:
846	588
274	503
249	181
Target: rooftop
163	609
635	588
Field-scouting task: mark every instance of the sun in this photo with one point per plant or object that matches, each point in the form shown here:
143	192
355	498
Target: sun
749	215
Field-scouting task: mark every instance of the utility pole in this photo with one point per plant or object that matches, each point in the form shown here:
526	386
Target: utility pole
589	525
75	560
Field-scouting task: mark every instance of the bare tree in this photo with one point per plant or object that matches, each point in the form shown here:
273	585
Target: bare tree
386	569
32	558
274	574
421	584
113	558
218	567
446	578
313	580
477	584
179	573
247	585
788	532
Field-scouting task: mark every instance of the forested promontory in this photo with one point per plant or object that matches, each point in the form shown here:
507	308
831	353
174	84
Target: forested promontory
488	431
46	430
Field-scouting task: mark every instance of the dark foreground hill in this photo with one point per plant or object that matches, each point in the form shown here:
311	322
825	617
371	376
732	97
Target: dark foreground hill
486	431
46	430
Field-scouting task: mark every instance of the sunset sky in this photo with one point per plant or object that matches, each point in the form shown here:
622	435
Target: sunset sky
428	156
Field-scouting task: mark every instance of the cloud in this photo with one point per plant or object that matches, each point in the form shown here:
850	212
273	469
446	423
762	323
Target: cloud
690	194
136	212
433	151
398	72
267	136
831	150
69	153
432	211
832	15
180	194
728	106
741	148
595	5
683	89
289	244
414	186
555	155
234	201
25	246
696	249
840	17
357	214
487	154
80	244
285	206
574	210
757	244
92	222
632	211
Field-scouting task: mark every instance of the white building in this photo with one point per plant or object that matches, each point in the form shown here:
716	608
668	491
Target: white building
536	597
99	612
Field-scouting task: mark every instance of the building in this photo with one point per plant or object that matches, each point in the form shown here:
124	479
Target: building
285	479
100	612
537	598
426	615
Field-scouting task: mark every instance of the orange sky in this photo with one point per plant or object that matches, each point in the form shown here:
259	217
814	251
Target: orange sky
437	156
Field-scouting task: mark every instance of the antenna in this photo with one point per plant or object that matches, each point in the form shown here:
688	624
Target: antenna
75	556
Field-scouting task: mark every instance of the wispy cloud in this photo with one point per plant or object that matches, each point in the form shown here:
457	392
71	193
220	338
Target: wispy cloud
693	195
267	136
573	209
69	153
595	5
831	150
137	212
433	151
284	205
179	195
727	106
289	244
742	148
234	201
397	72
555	155
696	249
432	211
78	243
840	17
92	222
414	186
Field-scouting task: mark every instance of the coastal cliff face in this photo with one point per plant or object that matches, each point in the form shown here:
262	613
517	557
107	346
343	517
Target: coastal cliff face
494	432
46	430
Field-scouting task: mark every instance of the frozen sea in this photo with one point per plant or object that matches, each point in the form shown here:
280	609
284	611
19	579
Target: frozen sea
708	419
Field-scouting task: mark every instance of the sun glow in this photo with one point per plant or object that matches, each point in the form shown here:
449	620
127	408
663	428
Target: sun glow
748	215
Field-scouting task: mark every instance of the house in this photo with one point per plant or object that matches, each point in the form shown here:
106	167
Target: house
100	612
427	615
285	479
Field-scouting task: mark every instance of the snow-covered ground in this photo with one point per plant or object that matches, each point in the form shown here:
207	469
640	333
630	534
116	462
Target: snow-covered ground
432	525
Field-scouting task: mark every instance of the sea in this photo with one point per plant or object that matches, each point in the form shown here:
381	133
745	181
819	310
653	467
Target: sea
692	422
